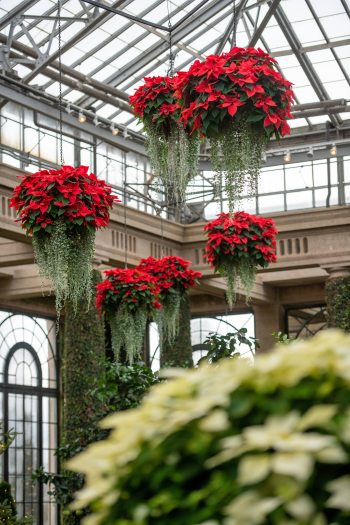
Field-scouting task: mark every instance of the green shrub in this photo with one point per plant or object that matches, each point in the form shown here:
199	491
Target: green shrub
121	387
229	345
338	303
237	444
8	512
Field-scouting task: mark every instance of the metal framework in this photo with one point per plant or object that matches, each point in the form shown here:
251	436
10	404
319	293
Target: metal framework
108	47
29	51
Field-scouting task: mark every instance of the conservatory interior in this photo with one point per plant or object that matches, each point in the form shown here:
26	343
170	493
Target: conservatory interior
174	194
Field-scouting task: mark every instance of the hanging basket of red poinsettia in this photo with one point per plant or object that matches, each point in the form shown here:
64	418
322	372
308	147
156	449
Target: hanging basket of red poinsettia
238	244
172	151
238	100
61	210
128	298
175	277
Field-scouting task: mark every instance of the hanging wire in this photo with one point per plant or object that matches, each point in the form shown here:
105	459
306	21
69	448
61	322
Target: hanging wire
159	214
170	72
60	79
234	32
125	226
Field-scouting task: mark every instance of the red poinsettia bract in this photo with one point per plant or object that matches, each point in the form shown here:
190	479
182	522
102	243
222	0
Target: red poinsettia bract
69	194
153	102
243	84
127	286
171	272
233	238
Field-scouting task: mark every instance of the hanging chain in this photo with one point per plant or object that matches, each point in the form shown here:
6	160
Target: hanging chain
170	72
60	80
234	32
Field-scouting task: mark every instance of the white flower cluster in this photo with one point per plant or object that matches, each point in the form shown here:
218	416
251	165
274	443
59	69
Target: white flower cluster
276	460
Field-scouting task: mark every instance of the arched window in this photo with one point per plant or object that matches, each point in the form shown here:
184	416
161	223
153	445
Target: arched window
28	405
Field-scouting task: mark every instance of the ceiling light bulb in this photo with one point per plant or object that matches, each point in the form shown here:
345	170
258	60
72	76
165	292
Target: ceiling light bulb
333	150
114	130
82	117
287	157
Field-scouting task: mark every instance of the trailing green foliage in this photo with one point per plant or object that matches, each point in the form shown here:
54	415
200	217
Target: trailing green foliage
338	303
238	155
65	257
177	352
239	273
174	158
128	330
237	444
229	345
168	317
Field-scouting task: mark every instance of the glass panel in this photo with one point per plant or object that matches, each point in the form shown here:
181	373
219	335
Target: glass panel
299	200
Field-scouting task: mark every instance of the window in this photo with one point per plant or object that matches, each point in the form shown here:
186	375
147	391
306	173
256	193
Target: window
28	404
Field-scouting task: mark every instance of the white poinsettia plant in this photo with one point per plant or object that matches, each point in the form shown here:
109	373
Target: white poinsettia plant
233	444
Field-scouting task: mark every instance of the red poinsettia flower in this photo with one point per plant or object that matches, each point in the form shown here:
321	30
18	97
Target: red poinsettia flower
242	83
171	272
131	287
237	236
69	194
154	101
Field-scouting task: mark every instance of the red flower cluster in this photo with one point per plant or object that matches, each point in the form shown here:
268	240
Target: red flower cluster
130	286
154	101
171	272
242	83
71	194
235	237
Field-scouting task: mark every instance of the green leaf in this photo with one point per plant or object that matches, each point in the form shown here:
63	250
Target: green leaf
254	117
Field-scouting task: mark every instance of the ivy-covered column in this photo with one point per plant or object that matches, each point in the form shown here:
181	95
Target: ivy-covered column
83	364
178	353
338	298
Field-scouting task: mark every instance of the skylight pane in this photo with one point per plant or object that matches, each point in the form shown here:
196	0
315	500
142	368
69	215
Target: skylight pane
325	8
336	26
327	70
308	32
338	89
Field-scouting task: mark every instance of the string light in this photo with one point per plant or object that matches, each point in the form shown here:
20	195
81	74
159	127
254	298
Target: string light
81	117
287	157
333	150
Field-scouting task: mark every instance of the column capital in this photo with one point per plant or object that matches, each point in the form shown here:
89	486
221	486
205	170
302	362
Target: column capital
338	271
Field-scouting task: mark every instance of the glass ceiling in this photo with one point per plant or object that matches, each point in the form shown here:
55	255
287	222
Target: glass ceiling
309	38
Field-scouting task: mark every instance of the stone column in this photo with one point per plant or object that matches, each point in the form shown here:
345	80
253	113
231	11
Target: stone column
268	318
338	298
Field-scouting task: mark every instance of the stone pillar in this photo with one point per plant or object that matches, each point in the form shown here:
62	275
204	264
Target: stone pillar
268	318
338	298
